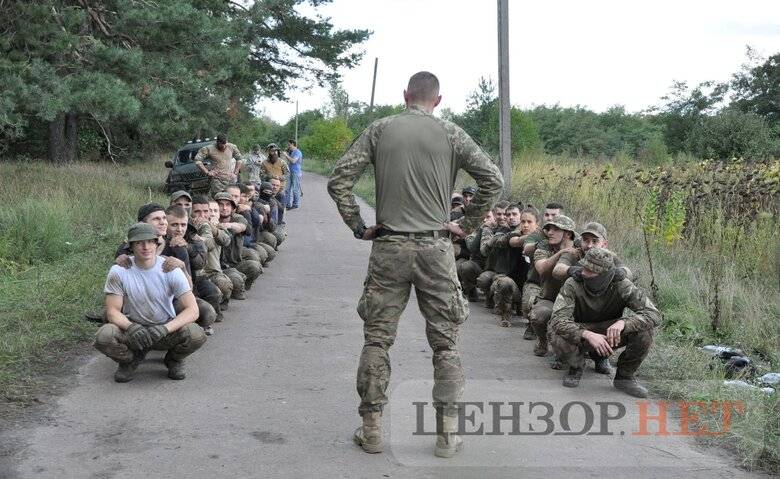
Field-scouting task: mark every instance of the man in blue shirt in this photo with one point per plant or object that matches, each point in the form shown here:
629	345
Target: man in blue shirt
294	159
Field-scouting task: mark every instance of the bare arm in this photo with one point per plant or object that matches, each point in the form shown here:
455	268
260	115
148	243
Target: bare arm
188	315
114	313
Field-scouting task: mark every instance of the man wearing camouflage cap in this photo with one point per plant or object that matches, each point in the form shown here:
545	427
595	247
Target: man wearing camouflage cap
232	254
140	311
183	199
559	247
468	194
416	157
588	317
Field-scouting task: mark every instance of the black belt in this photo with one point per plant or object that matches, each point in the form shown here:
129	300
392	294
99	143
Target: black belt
436	234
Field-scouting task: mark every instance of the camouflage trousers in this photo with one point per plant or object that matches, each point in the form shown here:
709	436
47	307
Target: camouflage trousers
541	311
223	282
637	346
530	292
501	288
218	184
112	341
468	271
251	269
396	264
206	312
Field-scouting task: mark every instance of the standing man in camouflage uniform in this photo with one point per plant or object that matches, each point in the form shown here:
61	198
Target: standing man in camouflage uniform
223	169
588	316
416	157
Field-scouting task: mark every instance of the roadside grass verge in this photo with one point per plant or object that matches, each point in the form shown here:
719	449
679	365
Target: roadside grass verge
58	232
717	278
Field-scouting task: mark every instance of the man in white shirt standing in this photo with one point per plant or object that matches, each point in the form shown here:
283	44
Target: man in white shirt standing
140	313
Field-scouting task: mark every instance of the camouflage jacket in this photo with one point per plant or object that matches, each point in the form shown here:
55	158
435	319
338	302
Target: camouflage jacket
574	306
416	157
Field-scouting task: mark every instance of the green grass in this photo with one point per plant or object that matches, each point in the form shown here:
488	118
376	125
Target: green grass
746	272
58	230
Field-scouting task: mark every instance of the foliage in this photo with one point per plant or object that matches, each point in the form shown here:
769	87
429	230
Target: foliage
158	71
328	139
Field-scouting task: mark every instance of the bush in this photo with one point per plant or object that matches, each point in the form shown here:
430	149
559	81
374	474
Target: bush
731	134
328	139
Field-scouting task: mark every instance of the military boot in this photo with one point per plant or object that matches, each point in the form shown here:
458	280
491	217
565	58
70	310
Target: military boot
540	349
448	442
239	295
369	435
529	333
572	378
629	385
602	366
175	367
126	371
223	306
556	363
505	313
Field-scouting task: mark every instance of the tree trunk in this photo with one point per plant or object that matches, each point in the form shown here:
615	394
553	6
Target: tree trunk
57	139
71	137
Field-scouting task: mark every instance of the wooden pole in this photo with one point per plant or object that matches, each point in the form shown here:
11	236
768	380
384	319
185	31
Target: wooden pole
504	118
373	86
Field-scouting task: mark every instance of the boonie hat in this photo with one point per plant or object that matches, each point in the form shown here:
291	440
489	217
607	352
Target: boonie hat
596	229
224	195
562	222
598	260
178	194
141	232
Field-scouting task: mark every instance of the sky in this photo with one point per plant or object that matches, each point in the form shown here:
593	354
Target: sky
596	53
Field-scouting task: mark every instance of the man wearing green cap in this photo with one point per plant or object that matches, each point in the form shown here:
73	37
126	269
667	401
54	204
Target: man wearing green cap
183	199
140	311
588	317
559	247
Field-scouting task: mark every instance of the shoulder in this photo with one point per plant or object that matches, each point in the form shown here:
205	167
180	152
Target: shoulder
117	272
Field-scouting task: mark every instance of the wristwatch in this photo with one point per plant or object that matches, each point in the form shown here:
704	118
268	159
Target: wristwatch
359	231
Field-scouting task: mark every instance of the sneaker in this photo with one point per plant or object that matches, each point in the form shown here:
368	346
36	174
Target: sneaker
208	330
219	317
572	378
223	306
602	366
239	296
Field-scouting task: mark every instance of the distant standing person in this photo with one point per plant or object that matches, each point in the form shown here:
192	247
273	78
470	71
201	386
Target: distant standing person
252	166
224	170
416	157
295	161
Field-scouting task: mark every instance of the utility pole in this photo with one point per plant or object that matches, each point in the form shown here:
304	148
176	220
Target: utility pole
296	122
373	86
504	119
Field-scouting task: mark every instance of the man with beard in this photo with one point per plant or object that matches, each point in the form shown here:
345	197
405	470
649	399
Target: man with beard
588	317
469	270
276	168
239	194
140	313
560	233
485	279
235	225
211	270
226	279
223	168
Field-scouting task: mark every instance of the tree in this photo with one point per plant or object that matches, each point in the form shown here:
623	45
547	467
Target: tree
328	139
756	88
145	72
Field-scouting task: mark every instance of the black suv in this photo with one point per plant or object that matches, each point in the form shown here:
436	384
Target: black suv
185	174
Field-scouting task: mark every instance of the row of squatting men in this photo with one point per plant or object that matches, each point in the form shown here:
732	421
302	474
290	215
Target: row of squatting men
178	270
572	290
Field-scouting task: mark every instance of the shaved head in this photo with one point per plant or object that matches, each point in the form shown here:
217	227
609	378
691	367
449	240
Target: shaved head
423	87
